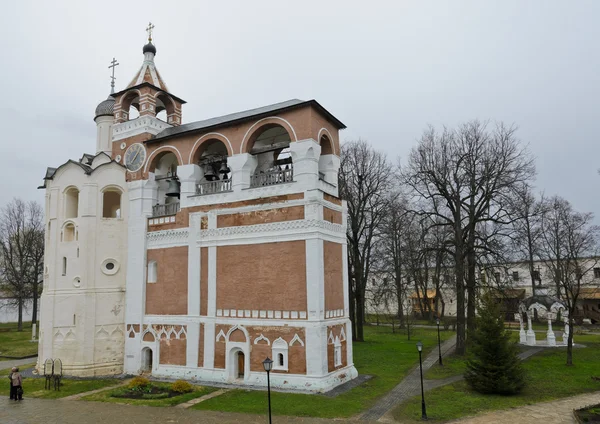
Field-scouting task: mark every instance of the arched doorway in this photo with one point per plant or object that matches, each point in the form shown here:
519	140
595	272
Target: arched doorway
240	368
147	359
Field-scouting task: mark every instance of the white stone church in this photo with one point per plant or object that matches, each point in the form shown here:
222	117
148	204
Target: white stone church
196	250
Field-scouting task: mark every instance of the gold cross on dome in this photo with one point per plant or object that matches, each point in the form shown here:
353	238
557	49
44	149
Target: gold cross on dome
149	31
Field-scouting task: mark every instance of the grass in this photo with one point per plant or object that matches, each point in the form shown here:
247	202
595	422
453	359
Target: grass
387	356
452	365
547	375
17	343
105	396
34	387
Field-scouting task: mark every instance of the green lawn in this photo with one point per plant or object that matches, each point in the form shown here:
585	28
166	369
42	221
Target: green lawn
548	378
34	387
16	343
452	365
386	356
106	397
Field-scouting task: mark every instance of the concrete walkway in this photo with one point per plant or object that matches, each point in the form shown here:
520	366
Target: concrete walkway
555	412
51	411
16	362
193	402
409	387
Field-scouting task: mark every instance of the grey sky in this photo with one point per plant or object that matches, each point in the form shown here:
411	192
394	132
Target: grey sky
385	69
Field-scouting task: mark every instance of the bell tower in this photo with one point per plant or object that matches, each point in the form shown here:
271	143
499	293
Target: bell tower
147	92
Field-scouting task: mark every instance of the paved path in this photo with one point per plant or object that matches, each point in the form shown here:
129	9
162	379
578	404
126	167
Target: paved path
16	362
48	411
409	387
193	402
555	412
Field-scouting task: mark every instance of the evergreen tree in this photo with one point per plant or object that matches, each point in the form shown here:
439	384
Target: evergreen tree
494	365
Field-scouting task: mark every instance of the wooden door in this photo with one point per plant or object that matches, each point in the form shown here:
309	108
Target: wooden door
240	358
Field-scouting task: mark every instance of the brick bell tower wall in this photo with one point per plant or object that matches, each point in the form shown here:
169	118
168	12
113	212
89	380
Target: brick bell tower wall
168	295
334	278
279	267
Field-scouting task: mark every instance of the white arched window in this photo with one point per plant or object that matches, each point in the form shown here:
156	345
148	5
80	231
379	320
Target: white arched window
152	271
280	354
337	352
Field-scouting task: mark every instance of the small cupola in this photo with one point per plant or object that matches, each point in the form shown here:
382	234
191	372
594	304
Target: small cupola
147	92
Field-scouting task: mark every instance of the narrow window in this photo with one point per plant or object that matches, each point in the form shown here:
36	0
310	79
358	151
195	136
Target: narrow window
74	319
152	271
337	352
280	359
497	277
71	203
596	272
111	204
536	275
515	275
78	252
64	266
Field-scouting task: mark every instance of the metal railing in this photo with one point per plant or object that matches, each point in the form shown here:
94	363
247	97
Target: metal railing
165	210
212	187
280	176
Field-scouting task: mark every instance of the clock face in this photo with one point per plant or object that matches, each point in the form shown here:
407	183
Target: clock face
135	157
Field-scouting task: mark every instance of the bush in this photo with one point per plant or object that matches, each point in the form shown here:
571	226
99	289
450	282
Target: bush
181	386
449	321
494	366
138	383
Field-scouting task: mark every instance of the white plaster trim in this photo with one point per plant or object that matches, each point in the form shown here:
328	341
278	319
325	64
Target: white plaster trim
221	334
330	339
212	134
296	339
261	337
167	238
238	327
245	139
161	148
330	139
301	224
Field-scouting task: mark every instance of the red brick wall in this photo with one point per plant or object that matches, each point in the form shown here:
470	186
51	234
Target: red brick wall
168	296
334	279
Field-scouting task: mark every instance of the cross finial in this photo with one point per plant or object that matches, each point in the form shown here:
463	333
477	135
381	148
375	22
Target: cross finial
113	64
149	31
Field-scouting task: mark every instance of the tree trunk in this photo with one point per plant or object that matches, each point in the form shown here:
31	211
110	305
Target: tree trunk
352	306
461	347
360	315
20	322
471	298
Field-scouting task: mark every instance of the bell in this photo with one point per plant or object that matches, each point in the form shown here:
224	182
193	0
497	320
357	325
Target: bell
224	168
209	174
173	190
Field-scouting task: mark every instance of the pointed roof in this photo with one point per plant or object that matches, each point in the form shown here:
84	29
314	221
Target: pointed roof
148	72
148	75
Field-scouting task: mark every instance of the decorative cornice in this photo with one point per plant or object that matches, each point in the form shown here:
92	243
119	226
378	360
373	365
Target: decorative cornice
167	238
303	224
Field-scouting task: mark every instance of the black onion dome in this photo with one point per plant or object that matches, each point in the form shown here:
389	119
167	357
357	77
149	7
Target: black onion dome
105	108
149	48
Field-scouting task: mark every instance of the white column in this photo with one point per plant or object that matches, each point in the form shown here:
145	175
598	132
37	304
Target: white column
212	271
330	165
193	334
316	350
142	195
209	344
189	176
305	158
530	332
242	166
194	266
315	280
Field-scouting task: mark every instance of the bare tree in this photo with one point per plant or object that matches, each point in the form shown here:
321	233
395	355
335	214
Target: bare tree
569	249
365	182
21	253
527	211
464	178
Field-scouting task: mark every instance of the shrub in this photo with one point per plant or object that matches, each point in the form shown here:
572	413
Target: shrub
494	366
138	383
449	321
181	386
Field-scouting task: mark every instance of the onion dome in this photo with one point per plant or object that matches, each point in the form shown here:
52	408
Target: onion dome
105	108
149	48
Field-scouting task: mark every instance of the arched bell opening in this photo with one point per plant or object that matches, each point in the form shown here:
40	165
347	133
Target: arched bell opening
164	166
164	107
327	168
270	144
130	106
211	157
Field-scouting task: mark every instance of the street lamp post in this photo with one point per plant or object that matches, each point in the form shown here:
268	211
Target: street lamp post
423	410
268	364
437	321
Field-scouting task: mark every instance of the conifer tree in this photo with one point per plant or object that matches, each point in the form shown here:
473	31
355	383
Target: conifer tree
494	365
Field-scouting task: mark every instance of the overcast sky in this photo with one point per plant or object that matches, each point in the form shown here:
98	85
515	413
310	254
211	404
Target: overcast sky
385	69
